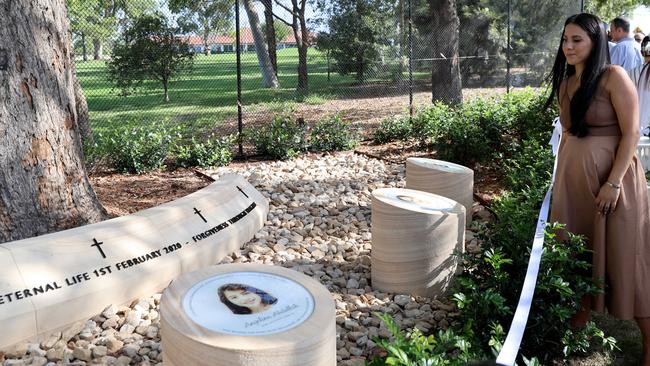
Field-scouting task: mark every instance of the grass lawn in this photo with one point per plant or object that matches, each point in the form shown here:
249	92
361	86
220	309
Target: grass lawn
208	95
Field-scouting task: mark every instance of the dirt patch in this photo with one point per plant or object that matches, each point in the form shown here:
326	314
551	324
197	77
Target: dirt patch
364	111
124	194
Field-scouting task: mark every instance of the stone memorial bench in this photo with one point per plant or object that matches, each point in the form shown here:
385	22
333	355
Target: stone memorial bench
52	281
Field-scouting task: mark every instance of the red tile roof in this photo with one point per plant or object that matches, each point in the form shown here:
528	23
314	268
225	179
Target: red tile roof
245	36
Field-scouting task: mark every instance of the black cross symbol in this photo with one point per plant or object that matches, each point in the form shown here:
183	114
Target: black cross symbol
240	190
98	245
197	212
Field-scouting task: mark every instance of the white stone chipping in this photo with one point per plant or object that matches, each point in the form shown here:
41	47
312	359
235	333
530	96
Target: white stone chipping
318	224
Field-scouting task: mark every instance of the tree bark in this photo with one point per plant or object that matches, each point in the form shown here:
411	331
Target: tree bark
206	46
270	33
43	181
98	49
301	33
83	46
83	117
445	75
166	87
269	79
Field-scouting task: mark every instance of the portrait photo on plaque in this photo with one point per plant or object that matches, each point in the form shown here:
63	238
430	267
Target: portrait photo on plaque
248	303
245	299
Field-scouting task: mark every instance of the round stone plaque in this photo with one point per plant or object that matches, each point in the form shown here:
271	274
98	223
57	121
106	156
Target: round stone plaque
247	315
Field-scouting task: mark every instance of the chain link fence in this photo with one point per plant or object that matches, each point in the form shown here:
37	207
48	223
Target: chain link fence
361	73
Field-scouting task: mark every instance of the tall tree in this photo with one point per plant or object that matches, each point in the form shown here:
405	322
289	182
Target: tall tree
269	32
608	10
269	79
445	81
205	17
43	181
150	50
99	19
438	18
358	30
298	24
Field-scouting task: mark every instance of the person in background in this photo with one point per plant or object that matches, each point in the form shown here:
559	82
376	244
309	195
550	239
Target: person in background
600	190
626	53
610	44
640	75
638	37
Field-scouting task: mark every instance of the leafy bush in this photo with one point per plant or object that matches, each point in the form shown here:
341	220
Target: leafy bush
209	153
428	121
488	290
283	138
392	129
460	140
416	349
531	166
137	148
484	129
332	134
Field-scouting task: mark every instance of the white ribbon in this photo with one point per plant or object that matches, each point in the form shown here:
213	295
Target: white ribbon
510	347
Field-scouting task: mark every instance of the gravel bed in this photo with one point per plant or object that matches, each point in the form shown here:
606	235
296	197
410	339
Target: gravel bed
318	224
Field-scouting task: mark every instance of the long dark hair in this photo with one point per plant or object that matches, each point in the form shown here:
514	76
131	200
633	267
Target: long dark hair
266	297
597	62
645	51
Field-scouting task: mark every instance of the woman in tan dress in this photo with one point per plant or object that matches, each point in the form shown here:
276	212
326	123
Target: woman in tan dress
600	190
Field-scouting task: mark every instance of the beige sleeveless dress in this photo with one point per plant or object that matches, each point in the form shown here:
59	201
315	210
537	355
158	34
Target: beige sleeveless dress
620	240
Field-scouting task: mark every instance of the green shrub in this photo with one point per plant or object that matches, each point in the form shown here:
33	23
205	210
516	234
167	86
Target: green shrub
392	129
427	121
283	138
460	139
485	129
416	349
208	153
332	134
137	148
488	290
530	166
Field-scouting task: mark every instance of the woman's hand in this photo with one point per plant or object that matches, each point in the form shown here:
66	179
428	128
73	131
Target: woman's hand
607	199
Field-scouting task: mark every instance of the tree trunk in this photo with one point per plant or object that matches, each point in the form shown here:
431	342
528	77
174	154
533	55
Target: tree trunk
206	36
270	33
83	46
302	40
43	181
98	49
445	75
83	117
269	80
206	47
166	87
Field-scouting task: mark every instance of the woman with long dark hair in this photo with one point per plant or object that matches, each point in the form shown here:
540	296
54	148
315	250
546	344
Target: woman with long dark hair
245	299
600	190
640	75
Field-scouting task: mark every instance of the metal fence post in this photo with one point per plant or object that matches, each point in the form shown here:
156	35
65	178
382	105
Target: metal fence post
238	51
410	64
508	50
582	6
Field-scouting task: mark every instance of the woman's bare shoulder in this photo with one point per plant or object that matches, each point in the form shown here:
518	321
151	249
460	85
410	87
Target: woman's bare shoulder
617	77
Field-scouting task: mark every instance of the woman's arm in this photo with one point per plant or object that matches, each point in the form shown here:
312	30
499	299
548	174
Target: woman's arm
625	101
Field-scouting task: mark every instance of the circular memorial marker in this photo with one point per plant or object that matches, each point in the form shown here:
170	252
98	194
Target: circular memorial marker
414	235
247	314
442	178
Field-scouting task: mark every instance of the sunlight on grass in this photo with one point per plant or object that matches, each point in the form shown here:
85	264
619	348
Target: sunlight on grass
208	95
